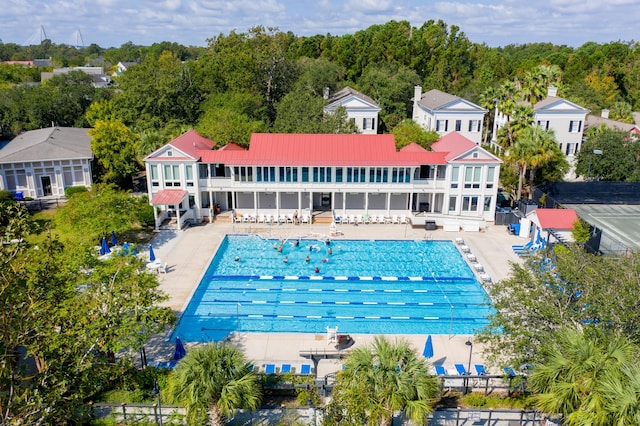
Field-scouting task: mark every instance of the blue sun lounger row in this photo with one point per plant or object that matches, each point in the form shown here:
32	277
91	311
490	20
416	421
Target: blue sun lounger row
286	368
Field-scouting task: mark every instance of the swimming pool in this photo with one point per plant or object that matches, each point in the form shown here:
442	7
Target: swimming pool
361	286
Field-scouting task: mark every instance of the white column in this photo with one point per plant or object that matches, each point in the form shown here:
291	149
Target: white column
155	217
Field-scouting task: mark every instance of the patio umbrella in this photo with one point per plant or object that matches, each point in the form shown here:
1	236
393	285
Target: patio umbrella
114	239
152	255
428	348
104	247
180	351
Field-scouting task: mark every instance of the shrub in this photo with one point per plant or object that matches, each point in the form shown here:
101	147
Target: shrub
68	192
475	400
5	195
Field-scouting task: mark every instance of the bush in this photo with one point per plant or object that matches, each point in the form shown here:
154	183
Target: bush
68	192
145	212
5	195
475	400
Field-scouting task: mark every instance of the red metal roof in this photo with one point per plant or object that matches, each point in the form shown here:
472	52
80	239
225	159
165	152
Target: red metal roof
556	218
412	147
169	196
453	144
278	149
192	142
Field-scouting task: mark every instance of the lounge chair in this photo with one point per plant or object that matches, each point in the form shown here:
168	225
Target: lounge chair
366	219
261	218
286	368
270	368
440	371
478	267
459	241
337	219
290	218
485	277
359	219
471	257
480	370
395	219
305	219
403	219
461	370
352	219
305	369
509	371
465	249
526	246
163	269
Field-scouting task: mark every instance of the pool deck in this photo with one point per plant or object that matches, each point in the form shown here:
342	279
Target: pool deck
189	252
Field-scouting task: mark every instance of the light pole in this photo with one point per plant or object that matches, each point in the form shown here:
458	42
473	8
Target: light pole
597	152
470	344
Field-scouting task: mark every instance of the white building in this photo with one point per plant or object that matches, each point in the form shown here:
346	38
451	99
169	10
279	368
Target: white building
566	119
361	109
445	113
331	173
42	163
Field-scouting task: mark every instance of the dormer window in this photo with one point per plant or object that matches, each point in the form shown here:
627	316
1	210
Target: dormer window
474	155
169	153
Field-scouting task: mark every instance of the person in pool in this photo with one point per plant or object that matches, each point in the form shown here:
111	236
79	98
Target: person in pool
329	251
317	270
286	259
237	258
307	259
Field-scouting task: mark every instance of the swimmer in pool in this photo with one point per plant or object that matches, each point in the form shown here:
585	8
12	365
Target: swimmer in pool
317	270
286	259
329	251
237	258
307	259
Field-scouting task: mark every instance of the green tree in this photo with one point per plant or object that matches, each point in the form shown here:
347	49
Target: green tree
211	381
303	112
619	158
379	380
588	379
545	151
88	216
115	147
408	131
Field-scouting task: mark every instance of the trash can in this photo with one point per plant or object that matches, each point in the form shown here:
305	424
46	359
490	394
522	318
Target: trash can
19	196
430	225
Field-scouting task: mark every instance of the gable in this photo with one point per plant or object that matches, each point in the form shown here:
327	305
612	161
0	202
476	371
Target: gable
169	152
552	104
461	105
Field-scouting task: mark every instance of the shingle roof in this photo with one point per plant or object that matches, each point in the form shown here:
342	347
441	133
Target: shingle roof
51	143
595	121
434	99
348	91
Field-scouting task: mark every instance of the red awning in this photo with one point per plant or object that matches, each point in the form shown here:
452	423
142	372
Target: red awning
168	197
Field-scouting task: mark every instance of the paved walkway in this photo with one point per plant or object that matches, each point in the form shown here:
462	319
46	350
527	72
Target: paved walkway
189	252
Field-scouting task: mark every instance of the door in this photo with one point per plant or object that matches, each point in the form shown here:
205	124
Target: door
46	185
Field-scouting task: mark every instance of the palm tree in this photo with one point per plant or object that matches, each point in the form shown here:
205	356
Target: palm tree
379	380
212	380
589	380
508	94
544	149
488	101
520	155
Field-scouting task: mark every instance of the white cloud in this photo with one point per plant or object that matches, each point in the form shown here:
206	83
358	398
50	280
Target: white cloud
113	22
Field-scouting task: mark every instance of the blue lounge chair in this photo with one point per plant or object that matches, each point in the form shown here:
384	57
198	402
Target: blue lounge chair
461	370
440	371
480	370
270	368
286	368
509	371
305	369
527	246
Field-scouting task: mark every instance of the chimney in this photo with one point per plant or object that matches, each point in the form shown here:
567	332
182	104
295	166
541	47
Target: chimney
417	93
604	113
325	93
552	91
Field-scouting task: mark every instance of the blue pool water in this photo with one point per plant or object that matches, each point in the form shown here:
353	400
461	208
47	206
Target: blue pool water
363	286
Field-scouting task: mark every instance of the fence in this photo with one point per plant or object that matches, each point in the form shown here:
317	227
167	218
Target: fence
133	413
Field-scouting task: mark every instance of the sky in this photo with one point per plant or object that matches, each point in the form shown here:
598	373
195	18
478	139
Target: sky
110	23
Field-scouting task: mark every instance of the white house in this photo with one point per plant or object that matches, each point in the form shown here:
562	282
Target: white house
361	109
565	118
42	163
445	113
330	173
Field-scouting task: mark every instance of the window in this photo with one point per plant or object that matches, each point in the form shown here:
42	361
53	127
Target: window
469	204
368	123
472	177
203	171
171	175
243	174
378	174
339	171
356	174
452	203
305	174
458	125
442	125
288	174
322	174
188	171
487	204
154	175
575	126
401	175
544	124
491	173
474	125
265	174
571	149
455	175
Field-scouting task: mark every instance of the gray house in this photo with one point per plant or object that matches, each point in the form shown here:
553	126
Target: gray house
42	163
